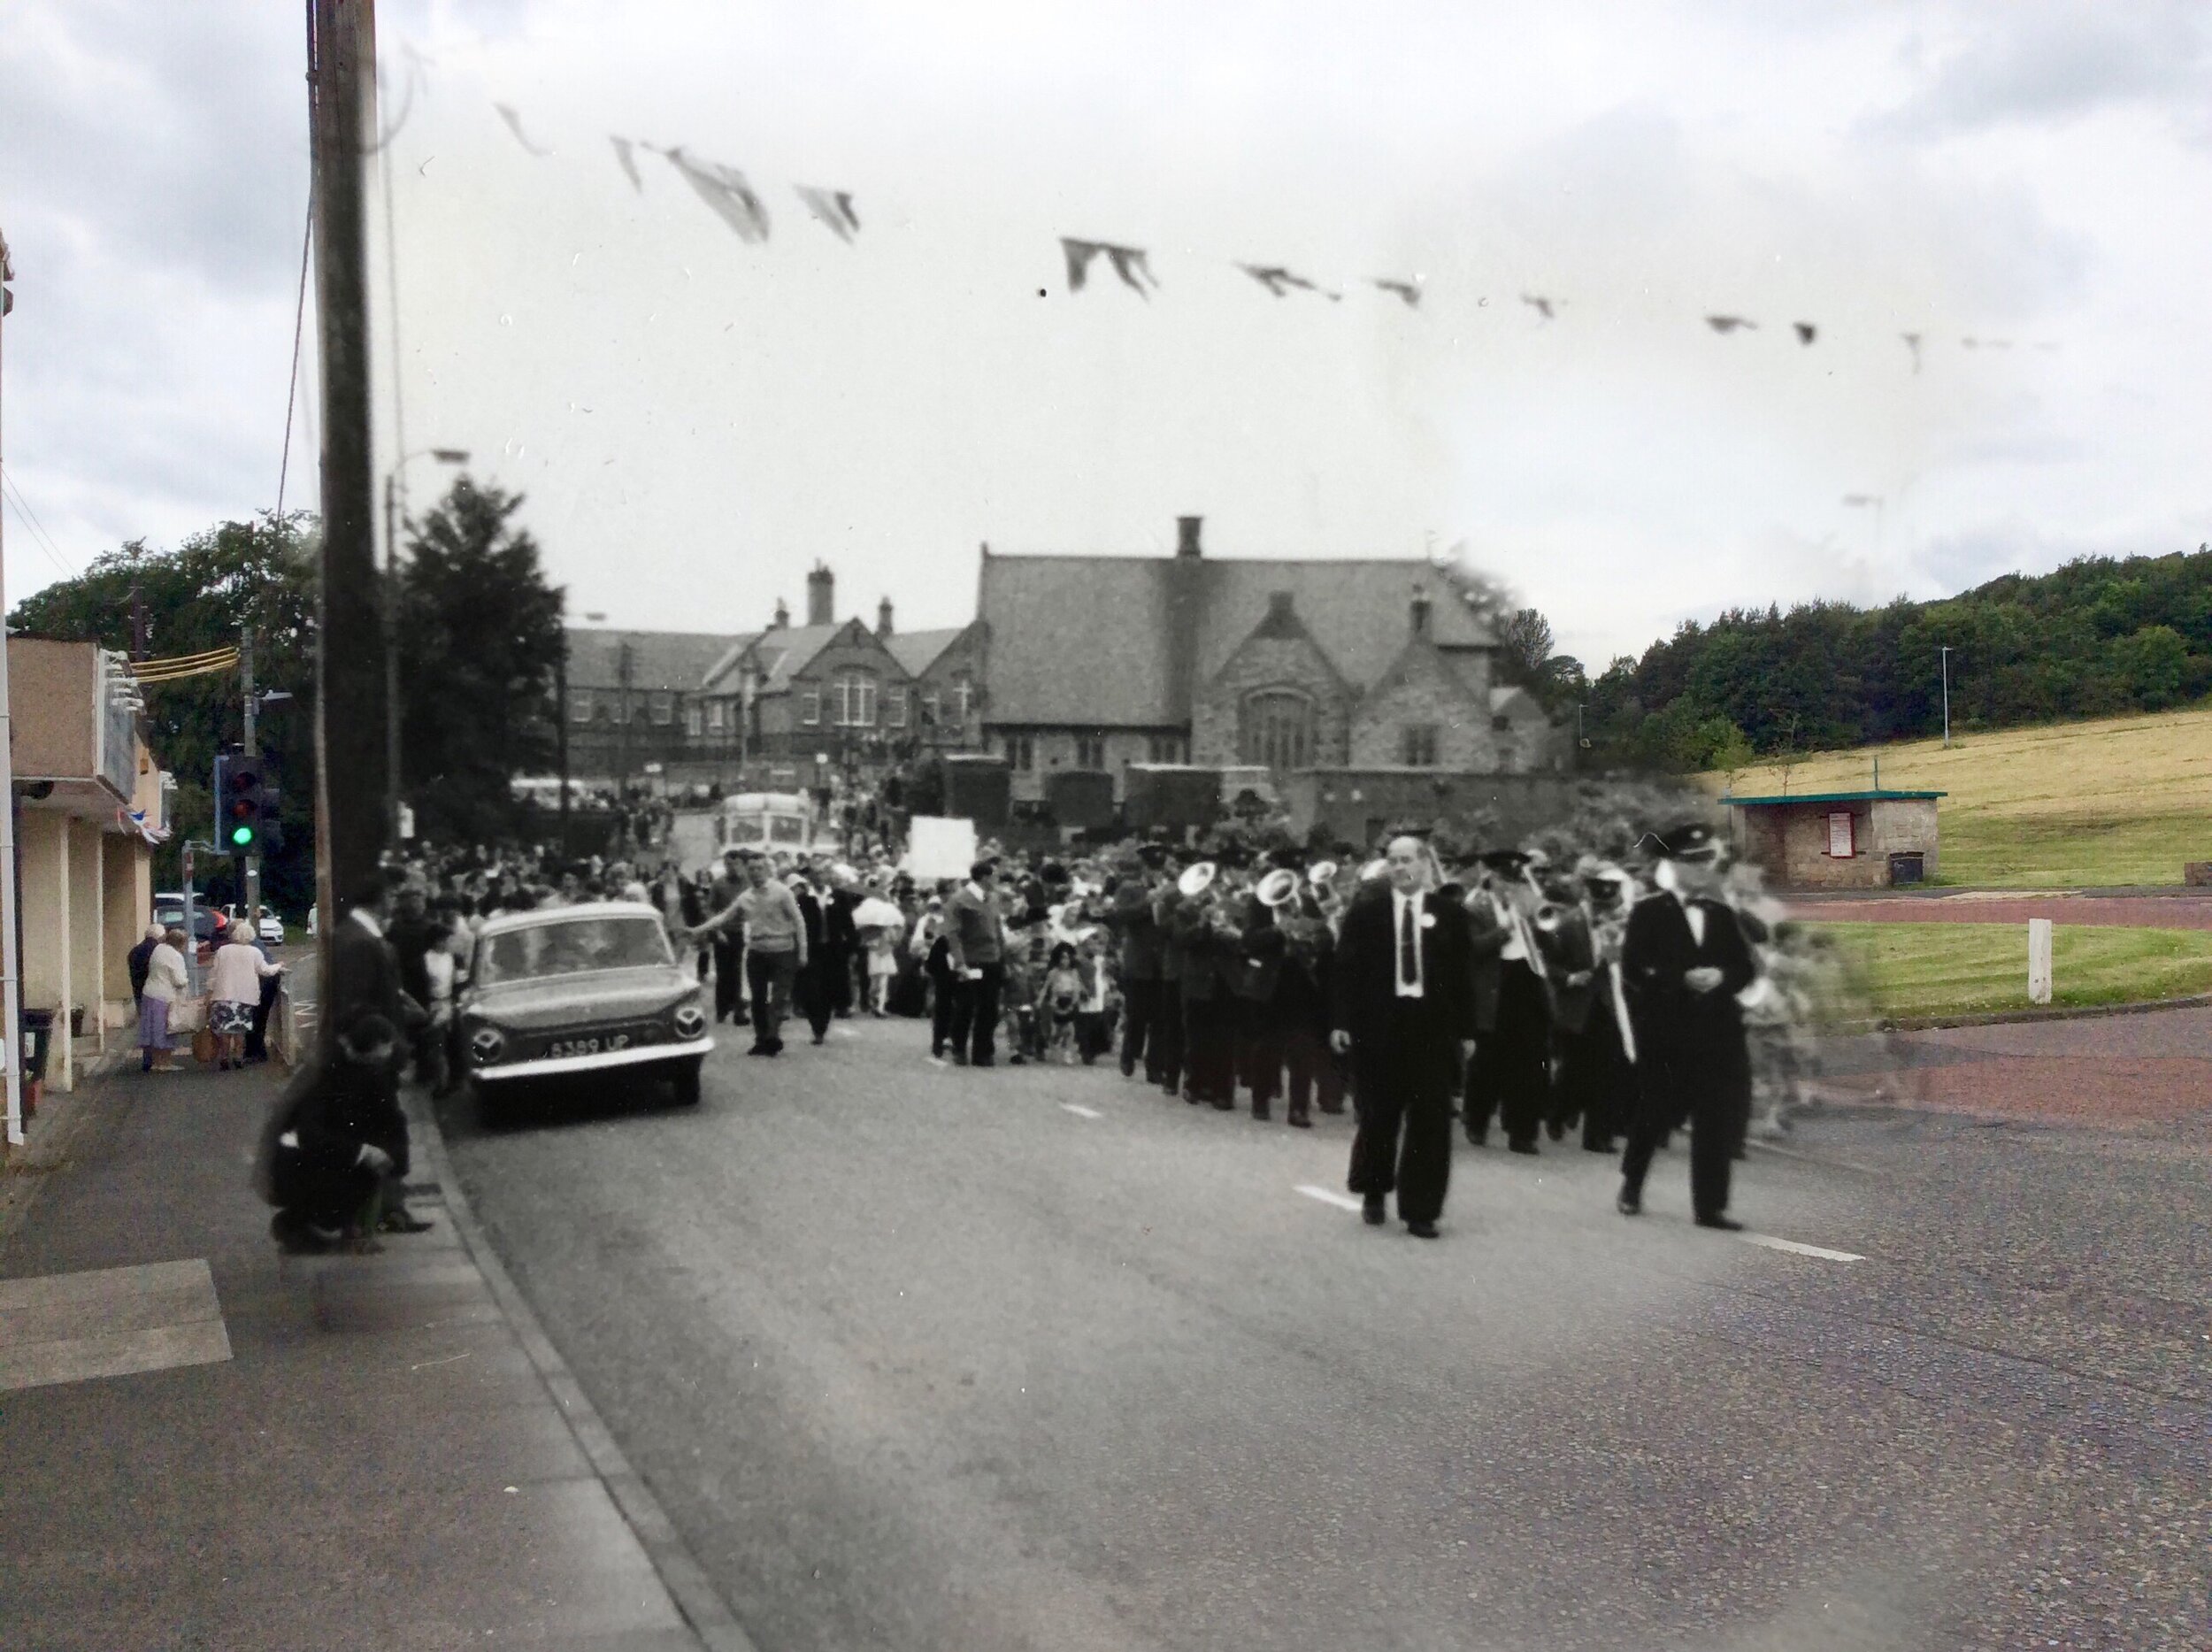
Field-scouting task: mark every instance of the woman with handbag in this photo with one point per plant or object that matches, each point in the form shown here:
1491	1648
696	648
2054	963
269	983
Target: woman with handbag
165	987
233	989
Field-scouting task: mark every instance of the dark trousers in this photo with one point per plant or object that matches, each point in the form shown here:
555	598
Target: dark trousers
1403	1138
1314	1073
258	1040
815	994
1140	1013
975	1015
1163	1049
1260	1038
1510	1074
945	994
1593	1079
1209	1049
769	977
1705	1079
835	976
728	950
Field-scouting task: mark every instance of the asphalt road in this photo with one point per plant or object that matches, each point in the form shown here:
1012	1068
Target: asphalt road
919	1358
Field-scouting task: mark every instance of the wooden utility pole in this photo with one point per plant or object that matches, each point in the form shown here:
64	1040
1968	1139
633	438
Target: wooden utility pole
11	874
560	730
351	822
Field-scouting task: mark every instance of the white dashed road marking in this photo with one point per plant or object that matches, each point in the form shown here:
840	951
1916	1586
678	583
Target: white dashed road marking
1329	1195
1794	1249
1081	1113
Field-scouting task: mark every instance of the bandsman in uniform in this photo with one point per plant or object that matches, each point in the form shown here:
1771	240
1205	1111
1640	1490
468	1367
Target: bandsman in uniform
1513	1053
1684	959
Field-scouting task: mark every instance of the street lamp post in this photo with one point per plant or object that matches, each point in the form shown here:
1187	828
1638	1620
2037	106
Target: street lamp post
1947	696
444	455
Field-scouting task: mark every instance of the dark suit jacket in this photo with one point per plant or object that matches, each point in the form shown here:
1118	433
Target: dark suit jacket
1365	971
364	977
1485	940
1260	973
1569	950
1657	953
1132	920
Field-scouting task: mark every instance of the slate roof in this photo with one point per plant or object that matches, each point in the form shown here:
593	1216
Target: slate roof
787	650
1083	640
677	660
727	663
917	650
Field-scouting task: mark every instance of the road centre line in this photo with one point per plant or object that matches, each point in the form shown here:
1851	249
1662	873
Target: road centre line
1328	1195
1081	1111
1794	1249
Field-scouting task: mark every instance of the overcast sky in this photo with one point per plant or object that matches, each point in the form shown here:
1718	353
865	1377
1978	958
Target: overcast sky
696	420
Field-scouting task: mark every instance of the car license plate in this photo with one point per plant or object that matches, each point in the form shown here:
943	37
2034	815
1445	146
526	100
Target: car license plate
588	1046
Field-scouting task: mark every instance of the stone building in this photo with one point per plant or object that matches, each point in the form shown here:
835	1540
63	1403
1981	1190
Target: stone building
1866	840
1098	662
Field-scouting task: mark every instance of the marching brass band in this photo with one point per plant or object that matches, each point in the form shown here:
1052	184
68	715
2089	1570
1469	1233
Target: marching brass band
1601	1001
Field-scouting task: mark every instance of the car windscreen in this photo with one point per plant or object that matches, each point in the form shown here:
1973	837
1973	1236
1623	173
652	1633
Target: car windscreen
574	946
787	829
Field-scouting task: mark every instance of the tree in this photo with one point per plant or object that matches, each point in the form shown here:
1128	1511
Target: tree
480	638
207	593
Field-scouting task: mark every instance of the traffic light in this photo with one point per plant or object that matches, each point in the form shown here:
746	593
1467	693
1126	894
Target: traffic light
240	804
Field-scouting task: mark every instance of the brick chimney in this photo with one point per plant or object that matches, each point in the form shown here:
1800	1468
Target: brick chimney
1420	613
883	617
782	621
821	596
1185	600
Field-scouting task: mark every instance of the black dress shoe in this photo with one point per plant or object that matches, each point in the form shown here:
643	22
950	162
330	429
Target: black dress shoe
1554	1128
1224	1103
1521	1147
1422	1230
1298	1117
1373	1211
1724	1223
403	1221
1630	1204
1261	1112
1478	1138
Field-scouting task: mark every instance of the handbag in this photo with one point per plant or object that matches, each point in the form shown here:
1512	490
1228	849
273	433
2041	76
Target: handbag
203	1047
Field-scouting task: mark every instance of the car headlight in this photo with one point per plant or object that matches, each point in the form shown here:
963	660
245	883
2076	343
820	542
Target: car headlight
691	1020
487	1045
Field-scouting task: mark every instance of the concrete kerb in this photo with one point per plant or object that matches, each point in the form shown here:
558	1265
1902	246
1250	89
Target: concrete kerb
680	1571
2006	1018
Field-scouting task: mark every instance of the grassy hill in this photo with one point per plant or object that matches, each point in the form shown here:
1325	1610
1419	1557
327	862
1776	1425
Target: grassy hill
2116	800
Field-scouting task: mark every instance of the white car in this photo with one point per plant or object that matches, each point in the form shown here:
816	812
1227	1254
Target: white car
269	931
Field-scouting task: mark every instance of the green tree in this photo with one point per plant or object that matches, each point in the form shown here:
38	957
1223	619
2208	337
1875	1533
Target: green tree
479	640
2151	665
207	593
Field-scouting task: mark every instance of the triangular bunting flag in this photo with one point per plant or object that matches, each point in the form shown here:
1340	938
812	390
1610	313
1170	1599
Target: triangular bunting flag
1129	263
724	189
514	125
625	153
1406	290
1278	280
833	207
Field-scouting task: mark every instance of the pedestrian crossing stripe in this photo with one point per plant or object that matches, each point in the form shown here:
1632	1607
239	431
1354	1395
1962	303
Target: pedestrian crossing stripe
1794	1249
1329	1195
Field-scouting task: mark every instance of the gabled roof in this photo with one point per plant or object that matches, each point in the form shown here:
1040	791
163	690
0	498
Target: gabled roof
1417	653
676	660
1086	641
919	650
1512	695
787	650
722	667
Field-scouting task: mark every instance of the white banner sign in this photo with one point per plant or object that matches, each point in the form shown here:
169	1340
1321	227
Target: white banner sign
939	848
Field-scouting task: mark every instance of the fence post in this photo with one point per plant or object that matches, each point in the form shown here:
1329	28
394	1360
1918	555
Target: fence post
2038	960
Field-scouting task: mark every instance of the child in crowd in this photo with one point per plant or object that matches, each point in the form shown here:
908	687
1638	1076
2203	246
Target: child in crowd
1059	1002
1098	1010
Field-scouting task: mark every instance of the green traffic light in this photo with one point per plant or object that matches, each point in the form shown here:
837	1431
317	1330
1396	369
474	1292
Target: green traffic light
242	836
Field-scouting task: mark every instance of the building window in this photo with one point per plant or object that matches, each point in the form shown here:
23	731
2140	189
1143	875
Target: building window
1502	725
895	708
663	707
963	698
1164	748
1021	752
853	701
929	709
717	711
1090	751
580	708
810	708
1416	745
695	721
1277	729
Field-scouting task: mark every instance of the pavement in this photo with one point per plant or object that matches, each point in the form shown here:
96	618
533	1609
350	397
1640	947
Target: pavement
207	1444
926	1358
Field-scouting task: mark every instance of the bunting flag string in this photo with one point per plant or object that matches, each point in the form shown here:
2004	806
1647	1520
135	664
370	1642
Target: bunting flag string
730	196
182	666
1279	280
833	207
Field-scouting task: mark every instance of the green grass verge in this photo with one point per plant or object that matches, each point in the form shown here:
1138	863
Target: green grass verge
1987	850
1966	969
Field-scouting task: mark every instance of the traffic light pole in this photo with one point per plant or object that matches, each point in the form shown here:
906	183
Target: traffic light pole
252	859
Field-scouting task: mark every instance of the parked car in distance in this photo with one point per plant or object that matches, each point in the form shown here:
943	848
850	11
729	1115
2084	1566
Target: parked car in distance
169	913
578	989
271	929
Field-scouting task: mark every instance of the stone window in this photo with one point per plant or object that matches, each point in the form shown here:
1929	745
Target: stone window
1021	752
810	708
695	721
930	709
1416	745
717	711
895	708
662	708
1277	729
580	708
1164	748
1501	724
1090	751
853	701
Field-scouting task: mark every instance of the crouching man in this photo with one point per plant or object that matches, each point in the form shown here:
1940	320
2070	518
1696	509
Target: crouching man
334	1139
